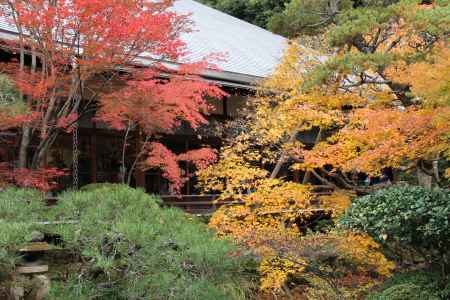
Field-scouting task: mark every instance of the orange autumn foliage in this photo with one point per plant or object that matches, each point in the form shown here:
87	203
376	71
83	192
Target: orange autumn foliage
379	104
376	139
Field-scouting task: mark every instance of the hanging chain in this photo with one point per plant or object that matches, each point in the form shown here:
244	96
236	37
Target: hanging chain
75	157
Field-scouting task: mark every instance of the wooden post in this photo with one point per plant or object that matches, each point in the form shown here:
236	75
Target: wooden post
188	183
225	107
93	152
138	173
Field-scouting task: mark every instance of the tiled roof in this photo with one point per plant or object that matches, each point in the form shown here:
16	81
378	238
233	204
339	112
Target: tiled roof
249	50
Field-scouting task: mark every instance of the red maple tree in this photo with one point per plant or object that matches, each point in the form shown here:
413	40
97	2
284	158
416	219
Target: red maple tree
79	56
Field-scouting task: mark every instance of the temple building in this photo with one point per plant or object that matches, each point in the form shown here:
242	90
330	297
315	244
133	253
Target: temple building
251	54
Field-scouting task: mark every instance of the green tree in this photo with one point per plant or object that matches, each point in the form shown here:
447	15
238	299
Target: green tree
307	16
257	12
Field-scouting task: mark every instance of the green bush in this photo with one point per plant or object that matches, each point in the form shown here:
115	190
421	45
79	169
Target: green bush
129	247
137	250
416	285
94	186
406	291
406	217
20	210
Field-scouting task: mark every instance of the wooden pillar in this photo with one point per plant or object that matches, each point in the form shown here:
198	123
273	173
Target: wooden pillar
188	183
93	153
138	173
225	107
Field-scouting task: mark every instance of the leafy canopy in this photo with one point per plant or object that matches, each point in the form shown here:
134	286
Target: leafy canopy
257	12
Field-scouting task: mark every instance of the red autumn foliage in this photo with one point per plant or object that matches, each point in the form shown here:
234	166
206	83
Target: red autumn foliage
201	158
164	159
80	47
43	179
159	105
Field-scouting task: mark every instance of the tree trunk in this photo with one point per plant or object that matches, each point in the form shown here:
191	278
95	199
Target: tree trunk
42	150
54	112
23	148
26	131
423	178
139	174
284	156
123	165
436	169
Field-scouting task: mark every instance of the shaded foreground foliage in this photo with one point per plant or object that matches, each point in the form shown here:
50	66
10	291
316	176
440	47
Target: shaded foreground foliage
415	285
129	247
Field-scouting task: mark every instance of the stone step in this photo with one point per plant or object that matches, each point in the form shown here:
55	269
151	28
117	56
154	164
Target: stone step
32	268
35	247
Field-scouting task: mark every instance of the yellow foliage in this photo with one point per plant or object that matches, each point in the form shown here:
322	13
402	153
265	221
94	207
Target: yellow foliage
267	211
428	79
338	202
234	173
365	252
266	223
289	75
447	173
275	271
363	128
330	256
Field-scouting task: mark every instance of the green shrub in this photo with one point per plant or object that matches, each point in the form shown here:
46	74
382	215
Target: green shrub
129	247
94	186
416	285
20	209
20	205
405	291
406	217
137	250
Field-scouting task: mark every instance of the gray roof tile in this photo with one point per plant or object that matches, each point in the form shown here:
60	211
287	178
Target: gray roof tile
249	49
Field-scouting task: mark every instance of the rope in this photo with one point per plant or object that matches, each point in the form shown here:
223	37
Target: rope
76	153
